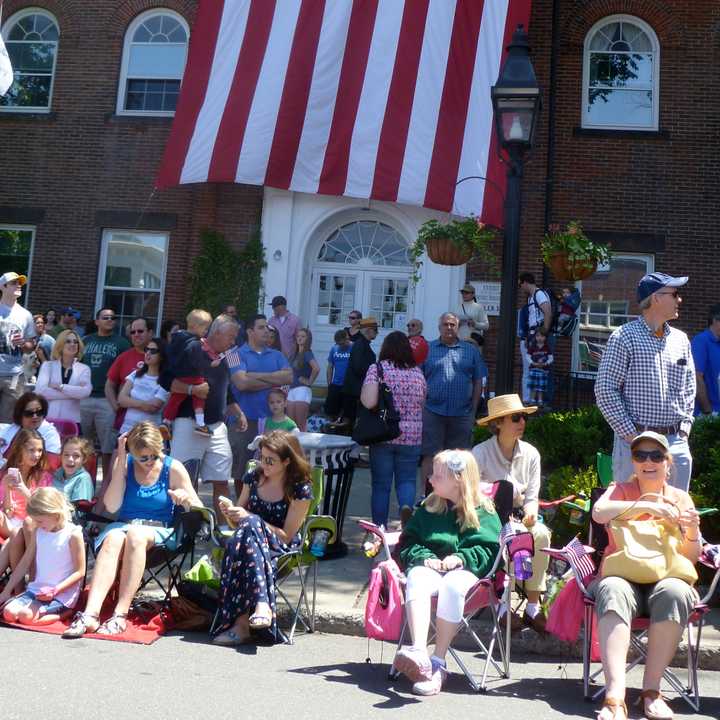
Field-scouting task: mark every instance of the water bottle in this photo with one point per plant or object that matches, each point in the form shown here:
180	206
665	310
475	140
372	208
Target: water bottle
523	565
319	542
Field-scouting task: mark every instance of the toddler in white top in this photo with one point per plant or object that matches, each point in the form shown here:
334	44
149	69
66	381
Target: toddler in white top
58	551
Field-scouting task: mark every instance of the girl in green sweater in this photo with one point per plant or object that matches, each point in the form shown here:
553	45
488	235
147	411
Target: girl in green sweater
448	544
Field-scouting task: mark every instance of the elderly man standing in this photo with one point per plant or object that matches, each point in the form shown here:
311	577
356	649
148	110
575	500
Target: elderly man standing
285	323
260	369
418	343
454	371
646	379
213	451
362	356
17	333
706	354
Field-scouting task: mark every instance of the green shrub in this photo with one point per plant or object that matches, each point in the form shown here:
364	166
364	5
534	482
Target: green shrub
568	480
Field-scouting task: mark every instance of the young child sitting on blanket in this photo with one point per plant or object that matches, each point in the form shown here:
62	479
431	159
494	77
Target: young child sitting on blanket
57	550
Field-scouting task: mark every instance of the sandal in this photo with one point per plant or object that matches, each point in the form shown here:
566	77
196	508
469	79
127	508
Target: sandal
229	638
260	621
614	704
648	697
81	623
114	625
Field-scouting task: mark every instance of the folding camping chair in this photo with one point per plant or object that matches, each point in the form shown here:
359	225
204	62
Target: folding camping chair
598	541
296	563
490	592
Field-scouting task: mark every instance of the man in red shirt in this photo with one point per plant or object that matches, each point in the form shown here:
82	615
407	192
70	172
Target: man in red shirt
417	342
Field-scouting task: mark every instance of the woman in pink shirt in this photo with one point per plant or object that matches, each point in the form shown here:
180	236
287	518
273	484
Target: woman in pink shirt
397	458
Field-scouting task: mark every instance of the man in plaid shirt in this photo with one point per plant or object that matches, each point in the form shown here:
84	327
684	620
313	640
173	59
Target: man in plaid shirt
646	379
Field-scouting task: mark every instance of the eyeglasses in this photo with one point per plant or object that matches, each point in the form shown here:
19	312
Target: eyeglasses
674	293
152	351
266	460
145	458
107	317
33	413
467	292
517	417
71	341
655	456
137	332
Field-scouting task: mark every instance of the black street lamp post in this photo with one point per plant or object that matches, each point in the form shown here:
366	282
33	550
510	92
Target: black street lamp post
516	103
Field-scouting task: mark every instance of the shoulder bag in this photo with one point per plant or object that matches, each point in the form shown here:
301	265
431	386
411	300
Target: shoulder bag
380	424
647	551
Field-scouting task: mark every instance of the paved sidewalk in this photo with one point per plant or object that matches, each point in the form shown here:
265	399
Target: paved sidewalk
342	591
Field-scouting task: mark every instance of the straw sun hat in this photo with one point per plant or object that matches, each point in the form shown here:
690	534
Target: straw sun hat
503	405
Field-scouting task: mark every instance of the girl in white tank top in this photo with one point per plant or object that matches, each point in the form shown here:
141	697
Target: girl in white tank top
57	547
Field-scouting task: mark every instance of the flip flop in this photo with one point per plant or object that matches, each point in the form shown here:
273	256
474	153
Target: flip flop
229	638
115	625
259	621
80	625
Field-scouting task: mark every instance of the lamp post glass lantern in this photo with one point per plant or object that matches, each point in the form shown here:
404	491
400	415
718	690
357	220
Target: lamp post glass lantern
516	100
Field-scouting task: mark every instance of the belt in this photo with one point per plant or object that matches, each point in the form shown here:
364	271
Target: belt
667	430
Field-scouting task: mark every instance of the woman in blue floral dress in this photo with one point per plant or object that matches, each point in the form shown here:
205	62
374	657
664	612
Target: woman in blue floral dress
270	511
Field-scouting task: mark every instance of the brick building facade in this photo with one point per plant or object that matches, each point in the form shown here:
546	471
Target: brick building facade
643	180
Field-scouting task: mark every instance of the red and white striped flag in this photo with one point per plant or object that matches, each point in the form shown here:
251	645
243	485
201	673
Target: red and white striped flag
382	99
579	558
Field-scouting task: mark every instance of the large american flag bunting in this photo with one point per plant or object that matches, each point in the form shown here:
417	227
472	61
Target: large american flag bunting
381	99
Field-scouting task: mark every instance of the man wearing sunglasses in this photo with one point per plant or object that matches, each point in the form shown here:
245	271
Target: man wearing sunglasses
646	379
17	333
96	414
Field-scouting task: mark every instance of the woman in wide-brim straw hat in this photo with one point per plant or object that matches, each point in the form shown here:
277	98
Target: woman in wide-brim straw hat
505	456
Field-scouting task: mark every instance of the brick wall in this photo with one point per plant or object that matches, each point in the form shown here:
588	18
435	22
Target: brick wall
88	168
645	192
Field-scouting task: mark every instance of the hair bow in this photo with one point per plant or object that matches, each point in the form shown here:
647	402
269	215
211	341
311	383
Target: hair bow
456	462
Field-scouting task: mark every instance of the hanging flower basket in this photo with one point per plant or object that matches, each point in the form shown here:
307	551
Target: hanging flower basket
444	251
570	254
453	243
563	268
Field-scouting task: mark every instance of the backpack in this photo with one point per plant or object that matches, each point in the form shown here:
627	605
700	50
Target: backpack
384	609
524	315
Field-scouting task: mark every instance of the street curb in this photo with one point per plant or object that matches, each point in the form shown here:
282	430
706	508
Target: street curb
526	642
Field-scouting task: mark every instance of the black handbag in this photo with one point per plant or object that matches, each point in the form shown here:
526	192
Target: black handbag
380	424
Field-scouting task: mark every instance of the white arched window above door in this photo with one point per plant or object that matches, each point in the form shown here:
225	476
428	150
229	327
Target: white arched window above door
361	265
621	71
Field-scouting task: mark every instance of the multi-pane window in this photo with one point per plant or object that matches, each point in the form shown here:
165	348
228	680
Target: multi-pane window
132	273
31	38
620	75
153	64
365	242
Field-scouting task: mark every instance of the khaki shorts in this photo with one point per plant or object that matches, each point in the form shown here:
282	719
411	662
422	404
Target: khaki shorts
668	599
214	452
97	419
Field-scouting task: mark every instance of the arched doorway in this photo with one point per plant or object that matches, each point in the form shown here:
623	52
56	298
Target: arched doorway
360	265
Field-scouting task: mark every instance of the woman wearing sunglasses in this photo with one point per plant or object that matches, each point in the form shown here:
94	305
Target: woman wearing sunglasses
668	603
272	506
64	380
144	489
506	456
141	394
29	413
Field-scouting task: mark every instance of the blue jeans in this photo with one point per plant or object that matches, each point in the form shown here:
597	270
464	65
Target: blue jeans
388	461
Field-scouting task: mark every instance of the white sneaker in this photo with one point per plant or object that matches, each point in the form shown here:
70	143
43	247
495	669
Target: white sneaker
414	663
434	685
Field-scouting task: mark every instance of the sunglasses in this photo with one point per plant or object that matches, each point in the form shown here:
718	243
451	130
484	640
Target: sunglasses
152	351
145	458
674	293
355	317
107	317
517	417
137	332
33	413
71	341
265	460
656	456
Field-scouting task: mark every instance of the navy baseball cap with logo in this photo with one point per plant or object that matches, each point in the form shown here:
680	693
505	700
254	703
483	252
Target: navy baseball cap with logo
656	281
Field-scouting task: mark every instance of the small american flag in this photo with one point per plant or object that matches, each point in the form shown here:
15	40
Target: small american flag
232	357
579	558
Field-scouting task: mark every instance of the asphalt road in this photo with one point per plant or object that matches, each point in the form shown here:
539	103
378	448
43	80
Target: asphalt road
321	677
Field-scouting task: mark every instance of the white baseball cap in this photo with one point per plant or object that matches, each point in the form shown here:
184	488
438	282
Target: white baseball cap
10	276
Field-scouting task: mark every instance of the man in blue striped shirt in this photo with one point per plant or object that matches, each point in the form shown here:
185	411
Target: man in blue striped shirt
646	379
454	370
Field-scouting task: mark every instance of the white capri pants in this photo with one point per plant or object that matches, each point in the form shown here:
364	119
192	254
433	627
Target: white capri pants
450	588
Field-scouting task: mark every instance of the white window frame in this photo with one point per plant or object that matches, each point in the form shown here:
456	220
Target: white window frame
650	265
107	233
9	23
33	230
585	120
132	27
